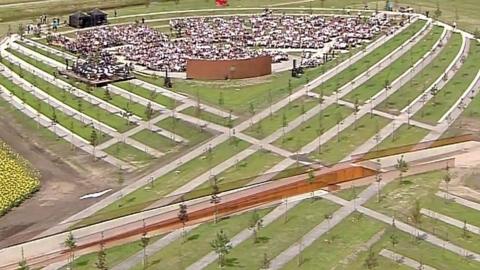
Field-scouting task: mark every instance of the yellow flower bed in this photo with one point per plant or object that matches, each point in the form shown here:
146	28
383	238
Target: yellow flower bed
17	179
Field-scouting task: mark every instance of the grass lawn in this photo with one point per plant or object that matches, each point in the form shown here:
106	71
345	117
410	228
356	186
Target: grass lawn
129	154
145	93
351	192
285	115
453	90
385	77
420	251
155	140
240	95
313	128
404	135
182	253
192	133
331	248
244	171
43	52
399	198
413	88
118	123
349	139
150	193
64	120
468	122
279	235
115	255
117	100
209	117
342	78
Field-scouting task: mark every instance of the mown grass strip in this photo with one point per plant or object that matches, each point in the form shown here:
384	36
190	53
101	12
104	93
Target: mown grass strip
313	127
453	90
278	119
68	122
385	77
342	78
349	139
118	123
279	235
408	92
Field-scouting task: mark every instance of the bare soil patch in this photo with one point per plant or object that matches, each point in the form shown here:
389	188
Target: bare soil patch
66	175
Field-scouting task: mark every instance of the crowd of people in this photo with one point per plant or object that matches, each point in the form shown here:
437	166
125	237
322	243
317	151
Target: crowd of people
100	66
222	38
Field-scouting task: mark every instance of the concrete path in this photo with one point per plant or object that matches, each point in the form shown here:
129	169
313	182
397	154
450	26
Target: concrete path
452	221
404	260
459	200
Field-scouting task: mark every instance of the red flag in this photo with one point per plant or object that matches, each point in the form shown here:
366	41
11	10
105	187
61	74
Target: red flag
221	3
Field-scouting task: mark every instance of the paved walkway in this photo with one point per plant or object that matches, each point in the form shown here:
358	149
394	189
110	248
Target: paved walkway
452	221
459	200
404	260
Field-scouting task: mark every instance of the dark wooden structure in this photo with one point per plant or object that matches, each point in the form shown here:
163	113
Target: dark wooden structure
81	19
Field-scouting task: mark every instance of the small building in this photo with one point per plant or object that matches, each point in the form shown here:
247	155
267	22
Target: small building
80	20
98	17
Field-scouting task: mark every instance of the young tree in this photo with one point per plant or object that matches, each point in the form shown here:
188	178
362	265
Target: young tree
215	199
221	246
465	232
355	112
149	111
107	95
183	217
284	124
255	224
101	263
447	177
437	12
265	262
221	101
22	265
402	167
251	109
94	140
144	241
415	213
476	34
71	244
394	239
371	262
310	179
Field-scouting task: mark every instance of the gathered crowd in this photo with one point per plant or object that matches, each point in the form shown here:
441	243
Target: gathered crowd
218	38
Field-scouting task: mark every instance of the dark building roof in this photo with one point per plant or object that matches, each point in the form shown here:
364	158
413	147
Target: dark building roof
97	12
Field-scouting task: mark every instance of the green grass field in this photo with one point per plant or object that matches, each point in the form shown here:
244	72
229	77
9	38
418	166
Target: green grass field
43	108
404	135
192	133
182	253
145	93
413	88
453	90
279	235
275	121
43	52
71	100
209	117
338	243
349	139
129	154
117	100
366	62
244	171
314	127
155	140
160	187
385	77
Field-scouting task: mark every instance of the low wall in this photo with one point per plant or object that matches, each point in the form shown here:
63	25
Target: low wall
229	69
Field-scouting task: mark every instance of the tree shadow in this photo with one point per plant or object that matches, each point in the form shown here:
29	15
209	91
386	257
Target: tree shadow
193	237
230	262
262	239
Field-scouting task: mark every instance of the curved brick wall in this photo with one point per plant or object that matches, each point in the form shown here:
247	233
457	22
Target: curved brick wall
229	69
